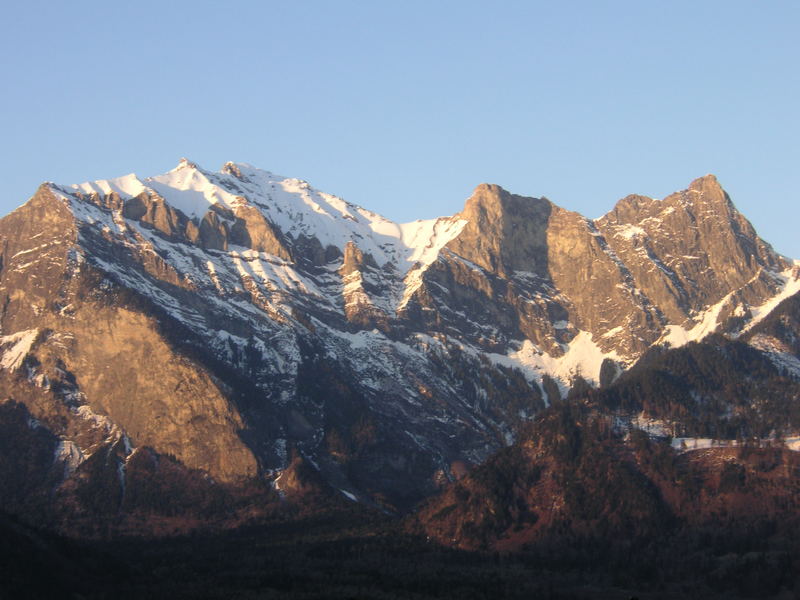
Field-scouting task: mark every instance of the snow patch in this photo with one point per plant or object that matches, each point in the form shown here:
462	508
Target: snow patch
582	356
630	231
653	427
778	354
613	332
677	336
349	495
685	444
97	421
791	286
70	454
15	348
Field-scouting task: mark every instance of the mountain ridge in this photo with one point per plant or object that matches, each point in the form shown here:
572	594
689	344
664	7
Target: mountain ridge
269	319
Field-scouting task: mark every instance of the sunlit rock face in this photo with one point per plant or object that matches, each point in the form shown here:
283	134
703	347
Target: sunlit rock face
239	321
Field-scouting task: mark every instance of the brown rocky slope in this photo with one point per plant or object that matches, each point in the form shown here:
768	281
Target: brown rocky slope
237	337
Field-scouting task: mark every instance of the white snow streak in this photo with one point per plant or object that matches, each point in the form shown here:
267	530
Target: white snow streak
15	348
582	356
707	323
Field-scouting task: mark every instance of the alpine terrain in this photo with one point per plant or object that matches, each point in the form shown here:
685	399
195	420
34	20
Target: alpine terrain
193	349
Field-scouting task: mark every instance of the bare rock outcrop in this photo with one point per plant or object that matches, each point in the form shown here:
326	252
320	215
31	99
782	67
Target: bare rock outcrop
233	319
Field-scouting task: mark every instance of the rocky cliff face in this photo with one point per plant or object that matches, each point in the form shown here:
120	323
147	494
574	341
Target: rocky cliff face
232	320
691	250
87	357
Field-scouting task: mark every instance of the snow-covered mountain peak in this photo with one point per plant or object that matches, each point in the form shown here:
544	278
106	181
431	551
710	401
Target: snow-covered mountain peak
301	210
187	188
439	332
126	186
291	204
185	163
191	190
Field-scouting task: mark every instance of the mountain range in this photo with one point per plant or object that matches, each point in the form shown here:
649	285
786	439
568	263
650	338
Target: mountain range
176	346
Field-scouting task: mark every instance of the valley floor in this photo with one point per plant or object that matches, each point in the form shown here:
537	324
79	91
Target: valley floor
353	555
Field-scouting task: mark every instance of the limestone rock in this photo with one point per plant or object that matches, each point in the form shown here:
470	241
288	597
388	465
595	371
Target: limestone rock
234	320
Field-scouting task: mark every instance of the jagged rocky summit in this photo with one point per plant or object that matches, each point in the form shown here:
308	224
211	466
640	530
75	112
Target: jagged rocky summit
240	322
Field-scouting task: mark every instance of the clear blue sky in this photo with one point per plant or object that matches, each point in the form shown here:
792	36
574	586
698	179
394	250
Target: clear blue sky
403	107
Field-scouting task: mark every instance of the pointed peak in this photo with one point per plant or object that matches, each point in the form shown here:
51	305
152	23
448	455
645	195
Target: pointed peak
706	189
628	208
704	183
485	197
504	232
185	163
493	199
